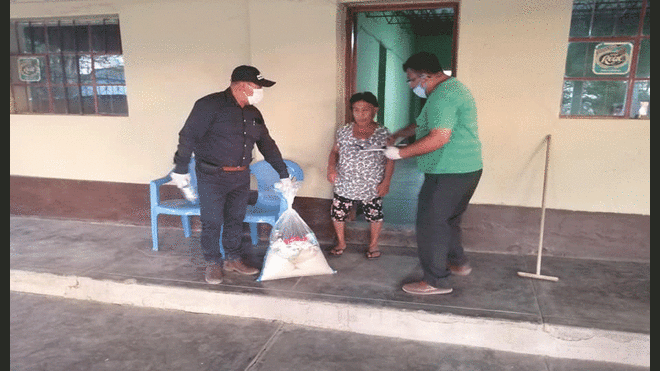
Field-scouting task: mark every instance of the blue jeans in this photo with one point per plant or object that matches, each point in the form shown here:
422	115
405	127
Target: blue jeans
223	198
442	201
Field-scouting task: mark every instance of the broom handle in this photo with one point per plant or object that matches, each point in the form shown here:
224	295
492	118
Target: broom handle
545	181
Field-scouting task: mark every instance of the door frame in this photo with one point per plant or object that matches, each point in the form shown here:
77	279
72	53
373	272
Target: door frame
350	58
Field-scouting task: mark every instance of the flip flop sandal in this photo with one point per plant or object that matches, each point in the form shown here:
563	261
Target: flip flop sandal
373	254
336	252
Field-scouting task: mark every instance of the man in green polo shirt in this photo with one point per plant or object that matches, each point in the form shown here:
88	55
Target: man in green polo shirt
448	152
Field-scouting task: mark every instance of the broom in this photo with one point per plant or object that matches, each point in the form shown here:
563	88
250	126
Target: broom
538	274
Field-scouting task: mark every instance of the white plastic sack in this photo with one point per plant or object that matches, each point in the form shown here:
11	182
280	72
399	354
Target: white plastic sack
293	250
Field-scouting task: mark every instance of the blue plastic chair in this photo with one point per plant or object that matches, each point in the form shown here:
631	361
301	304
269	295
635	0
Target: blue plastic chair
270	203
268	208
180	206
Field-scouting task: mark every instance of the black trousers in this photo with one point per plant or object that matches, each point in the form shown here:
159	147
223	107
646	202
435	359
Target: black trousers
223	197
442	201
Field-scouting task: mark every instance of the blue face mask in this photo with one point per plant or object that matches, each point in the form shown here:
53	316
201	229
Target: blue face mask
420	91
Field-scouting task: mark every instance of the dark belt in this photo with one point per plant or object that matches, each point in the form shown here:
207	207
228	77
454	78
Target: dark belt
212	168
234	168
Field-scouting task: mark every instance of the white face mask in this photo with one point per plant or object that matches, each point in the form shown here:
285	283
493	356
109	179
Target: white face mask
256	97
420	91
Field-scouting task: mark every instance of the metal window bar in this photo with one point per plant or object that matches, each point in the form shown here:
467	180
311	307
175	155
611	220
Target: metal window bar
93	68
63	64
635	58
49	79
77	59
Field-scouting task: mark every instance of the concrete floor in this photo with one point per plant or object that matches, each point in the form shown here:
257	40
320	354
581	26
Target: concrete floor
51	333
597	316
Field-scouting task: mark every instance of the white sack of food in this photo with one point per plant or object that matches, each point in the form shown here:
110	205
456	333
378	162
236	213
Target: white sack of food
293	250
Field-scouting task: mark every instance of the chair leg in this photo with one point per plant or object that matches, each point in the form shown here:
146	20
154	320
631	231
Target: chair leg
254	233
185	220
222	249
154	231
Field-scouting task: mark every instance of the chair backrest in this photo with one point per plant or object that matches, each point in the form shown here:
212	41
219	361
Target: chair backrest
267	176
266	179
295	170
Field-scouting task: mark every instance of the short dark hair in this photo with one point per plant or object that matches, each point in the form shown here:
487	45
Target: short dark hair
366	96
423	62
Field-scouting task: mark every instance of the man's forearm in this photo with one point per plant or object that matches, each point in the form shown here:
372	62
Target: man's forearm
433	141
405	132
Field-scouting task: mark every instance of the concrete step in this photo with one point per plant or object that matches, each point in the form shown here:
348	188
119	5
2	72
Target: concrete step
552	340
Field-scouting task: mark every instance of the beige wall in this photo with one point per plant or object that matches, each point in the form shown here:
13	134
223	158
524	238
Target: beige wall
510	53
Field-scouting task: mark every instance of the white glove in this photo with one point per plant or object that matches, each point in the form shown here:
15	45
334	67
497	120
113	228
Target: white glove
286	183
180	180
392	153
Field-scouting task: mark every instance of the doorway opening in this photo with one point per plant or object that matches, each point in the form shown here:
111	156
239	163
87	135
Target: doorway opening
381	38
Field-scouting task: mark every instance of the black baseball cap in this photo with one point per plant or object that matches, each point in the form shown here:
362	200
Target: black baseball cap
250	74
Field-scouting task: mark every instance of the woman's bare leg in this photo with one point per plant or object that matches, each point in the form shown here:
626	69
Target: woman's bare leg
375	228
341	239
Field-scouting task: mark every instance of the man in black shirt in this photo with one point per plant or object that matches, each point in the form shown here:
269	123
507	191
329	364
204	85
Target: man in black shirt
221	130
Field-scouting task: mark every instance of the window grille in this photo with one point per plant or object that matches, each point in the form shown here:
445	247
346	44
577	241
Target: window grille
608	70
67	66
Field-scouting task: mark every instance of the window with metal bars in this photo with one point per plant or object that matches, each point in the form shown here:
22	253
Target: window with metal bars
67	66
608	71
